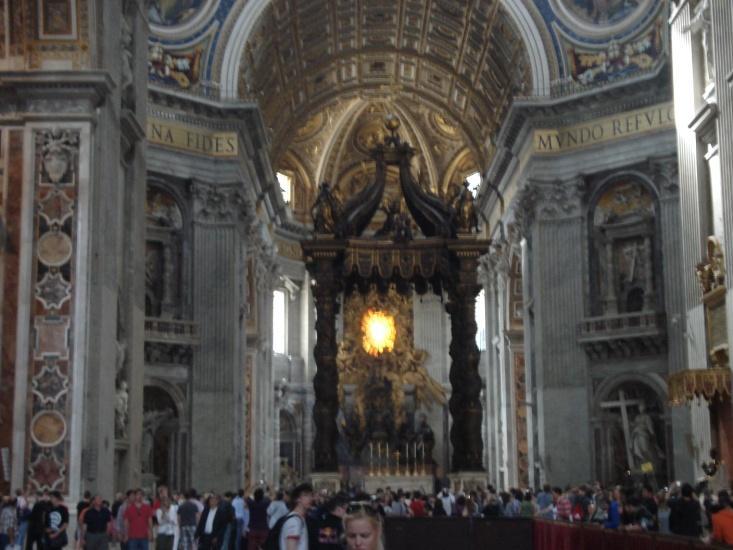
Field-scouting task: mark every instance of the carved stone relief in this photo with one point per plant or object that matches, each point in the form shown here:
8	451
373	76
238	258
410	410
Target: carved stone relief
623	233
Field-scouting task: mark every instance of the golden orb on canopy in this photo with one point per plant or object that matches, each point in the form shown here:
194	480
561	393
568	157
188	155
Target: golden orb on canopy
391	122
378	332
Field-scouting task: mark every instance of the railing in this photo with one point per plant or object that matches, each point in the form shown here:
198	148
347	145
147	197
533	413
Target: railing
439	533
171	331
553	535
567	87
628	324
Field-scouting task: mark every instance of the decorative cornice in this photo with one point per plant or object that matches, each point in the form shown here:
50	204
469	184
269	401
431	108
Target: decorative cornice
648	89
704	123
53	92
199	105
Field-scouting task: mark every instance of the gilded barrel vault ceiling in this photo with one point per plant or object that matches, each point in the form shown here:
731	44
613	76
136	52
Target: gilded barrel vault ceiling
325	72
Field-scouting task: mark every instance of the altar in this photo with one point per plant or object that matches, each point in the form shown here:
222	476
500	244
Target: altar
422	483
372	255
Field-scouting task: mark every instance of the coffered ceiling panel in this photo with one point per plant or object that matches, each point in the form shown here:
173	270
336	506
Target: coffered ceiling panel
461	60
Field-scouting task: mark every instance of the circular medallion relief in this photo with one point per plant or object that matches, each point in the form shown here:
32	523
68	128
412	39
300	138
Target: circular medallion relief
48	428
442	125
175	19
54	248
370	135
311	127
596	18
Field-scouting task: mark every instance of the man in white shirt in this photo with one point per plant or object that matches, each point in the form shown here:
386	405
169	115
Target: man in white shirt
239	512
448	501
294	534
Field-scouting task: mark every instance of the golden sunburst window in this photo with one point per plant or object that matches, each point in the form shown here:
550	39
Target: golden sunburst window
379	332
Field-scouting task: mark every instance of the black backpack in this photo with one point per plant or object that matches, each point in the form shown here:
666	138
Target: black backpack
273	537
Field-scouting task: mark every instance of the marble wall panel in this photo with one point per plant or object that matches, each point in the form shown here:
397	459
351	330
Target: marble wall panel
11	185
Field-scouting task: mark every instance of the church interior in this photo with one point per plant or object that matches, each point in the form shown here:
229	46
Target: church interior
364	243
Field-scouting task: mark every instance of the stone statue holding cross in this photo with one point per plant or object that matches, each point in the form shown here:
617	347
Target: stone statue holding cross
644	447
639	437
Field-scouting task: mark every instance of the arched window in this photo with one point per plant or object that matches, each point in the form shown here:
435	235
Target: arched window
285	181
474	182
481	320
279	322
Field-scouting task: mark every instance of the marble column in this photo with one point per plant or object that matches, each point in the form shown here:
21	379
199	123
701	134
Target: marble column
721	19
465	402
325	382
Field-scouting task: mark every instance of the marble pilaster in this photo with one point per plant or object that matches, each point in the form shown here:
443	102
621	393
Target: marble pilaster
219	212
557	262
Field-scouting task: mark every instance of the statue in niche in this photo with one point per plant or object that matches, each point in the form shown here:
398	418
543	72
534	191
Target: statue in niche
152	420
380	419
398	224
127	80
153	279
426	437
632	271
701	25
351	437
288	476
632	440
122	398
644	447
326	210
464	209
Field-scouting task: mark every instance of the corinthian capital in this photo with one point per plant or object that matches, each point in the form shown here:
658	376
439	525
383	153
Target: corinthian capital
560	198
220	204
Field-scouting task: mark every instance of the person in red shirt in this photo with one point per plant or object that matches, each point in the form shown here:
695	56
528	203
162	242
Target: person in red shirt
564	506
417	506
138	523
723	520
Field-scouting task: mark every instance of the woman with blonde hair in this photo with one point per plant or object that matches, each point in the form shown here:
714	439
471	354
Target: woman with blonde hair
363	527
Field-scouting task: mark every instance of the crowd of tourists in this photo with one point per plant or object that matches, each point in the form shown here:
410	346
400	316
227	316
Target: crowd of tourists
303	520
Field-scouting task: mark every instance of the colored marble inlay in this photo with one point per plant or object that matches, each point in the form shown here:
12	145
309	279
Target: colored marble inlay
49	401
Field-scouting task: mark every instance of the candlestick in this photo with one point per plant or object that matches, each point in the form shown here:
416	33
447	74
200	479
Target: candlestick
386	455
371	458
422	448
379	458
414	456
397	462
